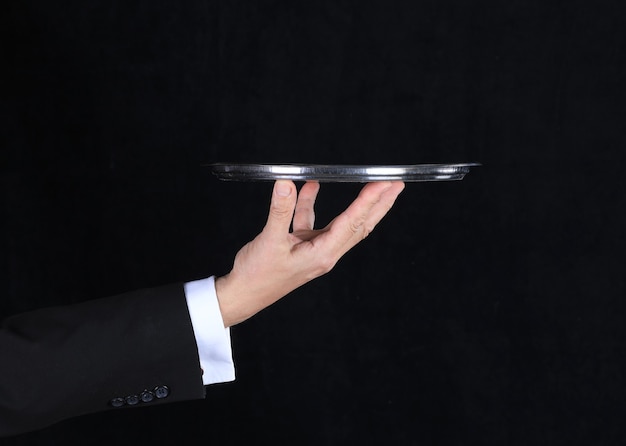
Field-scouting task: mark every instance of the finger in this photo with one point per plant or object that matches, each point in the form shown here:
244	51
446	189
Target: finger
281	208
382	207
347	229
304	217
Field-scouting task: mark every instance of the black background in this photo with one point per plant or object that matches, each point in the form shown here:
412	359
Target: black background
487	311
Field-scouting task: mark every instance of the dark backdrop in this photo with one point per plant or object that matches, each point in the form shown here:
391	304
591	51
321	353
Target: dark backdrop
487	311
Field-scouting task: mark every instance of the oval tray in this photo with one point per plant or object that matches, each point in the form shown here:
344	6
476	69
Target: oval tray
340	173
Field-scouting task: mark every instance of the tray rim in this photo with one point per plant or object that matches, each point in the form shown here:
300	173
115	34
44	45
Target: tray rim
340	172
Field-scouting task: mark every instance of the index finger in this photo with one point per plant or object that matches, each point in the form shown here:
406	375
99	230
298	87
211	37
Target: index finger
304	216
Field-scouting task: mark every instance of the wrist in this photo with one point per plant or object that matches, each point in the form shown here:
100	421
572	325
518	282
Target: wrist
221	290
232	301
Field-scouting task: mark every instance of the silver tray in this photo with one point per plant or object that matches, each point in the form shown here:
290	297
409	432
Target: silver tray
339	173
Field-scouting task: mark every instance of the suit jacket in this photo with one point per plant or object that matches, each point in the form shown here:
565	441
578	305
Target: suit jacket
131	350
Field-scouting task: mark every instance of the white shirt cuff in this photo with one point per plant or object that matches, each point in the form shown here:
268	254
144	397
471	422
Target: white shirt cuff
212	339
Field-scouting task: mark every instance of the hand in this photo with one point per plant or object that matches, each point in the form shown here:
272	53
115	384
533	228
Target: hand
277	261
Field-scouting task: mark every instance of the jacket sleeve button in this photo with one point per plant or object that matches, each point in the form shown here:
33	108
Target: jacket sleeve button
117	402
146	396
131	400
161	391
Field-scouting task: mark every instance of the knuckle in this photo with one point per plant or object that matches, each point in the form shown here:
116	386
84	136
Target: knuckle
367	230
326	265
356	226
280	212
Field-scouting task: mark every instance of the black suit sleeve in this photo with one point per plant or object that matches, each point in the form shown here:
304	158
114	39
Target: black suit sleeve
130	350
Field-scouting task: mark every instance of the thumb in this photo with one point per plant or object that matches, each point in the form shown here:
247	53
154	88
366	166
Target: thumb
282	208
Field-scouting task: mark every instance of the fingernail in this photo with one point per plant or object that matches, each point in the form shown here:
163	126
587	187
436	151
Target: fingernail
283	190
